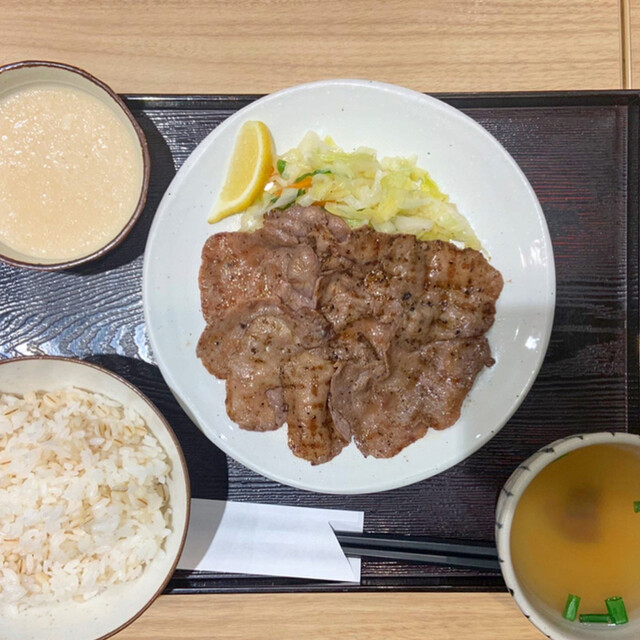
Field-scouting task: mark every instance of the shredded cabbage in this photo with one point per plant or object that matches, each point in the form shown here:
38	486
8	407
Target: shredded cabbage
392	195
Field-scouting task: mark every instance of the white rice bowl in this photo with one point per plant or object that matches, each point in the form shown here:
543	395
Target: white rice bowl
90	560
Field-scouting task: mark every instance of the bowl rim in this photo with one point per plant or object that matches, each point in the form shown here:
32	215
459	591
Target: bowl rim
183	465
146	168
509	498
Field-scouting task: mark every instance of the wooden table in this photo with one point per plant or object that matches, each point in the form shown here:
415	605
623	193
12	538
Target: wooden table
255	46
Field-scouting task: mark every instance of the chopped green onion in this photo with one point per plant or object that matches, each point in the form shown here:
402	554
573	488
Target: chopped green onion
571	608
301	192
312	173
280	165
597	618
617	610
636	506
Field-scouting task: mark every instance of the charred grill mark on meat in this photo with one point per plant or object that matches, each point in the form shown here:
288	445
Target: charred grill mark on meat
343	334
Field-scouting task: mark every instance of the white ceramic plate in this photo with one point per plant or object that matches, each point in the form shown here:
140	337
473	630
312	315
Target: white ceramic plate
467	163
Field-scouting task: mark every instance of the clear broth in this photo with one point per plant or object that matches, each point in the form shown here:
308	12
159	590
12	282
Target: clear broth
575	529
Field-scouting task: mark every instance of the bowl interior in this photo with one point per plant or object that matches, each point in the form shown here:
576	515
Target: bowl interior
117	606
14	78
548	619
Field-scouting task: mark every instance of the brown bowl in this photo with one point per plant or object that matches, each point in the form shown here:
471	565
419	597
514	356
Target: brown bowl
35	72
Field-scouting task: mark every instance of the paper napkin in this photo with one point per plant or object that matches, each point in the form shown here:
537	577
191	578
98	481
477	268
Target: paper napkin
273	540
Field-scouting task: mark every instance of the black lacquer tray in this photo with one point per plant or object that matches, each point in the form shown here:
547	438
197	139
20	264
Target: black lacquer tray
580	153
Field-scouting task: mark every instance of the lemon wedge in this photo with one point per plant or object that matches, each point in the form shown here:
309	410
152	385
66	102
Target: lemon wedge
249	170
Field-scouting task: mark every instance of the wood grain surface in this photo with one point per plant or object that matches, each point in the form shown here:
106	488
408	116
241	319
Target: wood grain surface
257	46
631	38
369	616
576	159
575	153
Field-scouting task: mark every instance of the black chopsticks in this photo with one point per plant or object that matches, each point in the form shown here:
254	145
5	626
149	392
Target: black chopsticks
427	551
